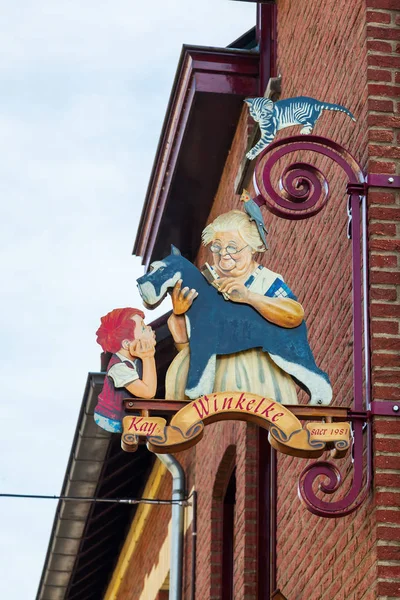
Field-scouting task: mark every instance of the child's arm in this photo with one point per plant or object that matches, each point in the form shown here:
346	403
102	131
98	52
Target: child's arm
147	386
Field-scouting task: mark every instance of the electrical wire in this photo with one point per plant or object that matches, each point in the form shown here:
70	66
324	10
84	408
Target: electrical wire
183	502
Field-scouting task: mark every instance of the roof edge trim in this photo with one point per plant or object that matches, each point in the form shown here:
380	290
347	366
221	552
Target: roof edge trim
200	69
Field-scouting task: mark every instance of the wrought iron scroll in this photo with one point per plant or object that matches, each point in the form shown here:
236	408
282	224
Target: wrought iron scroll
300	192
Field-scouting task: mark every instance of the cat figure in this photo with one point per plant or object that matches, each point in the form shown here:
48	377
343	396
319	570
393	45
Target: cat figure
274	116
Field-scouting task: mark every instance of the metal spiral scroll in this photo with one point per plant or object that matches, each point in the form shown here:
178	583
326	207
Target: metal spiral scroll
354	497
303	188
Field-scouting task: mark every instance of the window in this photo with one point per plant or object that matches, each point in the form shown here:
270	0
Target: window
228	538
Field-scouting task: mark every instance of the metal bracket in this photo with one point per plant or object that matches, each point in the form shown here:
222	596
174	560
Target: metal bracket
353	189
358	189
385	181
385	409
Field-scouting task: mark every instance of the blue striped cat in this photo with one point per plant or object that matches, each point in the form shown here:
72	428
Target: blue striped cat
274	116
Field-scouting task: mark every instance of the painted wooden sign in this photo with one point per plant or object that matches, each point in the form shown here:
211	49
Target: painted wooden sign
131	370
186	428
274	116
256	339
237	326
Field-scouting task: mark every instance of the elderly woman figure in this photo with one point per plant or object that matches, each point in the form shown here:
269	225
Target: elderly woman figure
234	242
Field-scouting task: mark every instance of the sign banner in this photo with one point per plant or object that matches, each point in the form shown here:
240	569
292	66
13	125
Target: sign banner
186	428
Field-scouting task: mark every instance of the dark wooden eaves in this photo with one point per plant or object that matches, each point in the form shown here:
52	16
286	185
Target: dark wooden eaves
201	119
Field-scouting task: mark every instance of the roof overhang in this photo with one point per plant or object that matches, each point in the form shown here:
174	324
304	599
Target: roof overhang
201	119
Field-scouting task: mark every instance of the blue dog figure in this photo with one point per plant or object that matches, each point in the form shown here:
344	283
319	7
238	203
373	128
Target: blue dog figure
216	327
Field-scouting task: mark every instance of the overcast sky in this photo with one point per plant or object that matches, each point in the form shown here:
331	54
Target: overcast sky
84	88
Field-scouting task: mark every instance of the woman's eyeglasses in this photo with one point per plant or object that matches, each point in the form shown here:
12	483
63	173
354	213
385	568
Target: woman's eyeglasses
231	250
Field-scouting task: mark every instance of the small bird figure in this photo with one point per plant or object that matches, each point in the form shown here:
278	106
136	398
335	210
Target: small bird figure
254	212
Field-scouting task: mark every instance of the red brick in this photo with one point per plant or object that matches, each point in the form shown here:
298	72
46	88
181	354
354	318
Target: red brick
383	229
385	392
380	105
383	4
388	572
385	360
380	135
383	33
388	445
379	75
384	151
382	167
387	499
385	294
390	327
388	480
380	60
389	245
387	426
382	89
387	343
375	197
383	260
383	121
378	17
384	214
387	277
378	46
387	462
388	552
388	589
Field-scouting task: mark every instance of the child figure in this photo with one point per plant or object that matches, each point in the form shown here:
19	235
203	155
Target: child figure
131	371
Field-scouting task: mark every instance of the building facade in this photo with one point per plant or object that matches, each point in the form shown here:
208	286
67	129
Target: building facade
248	536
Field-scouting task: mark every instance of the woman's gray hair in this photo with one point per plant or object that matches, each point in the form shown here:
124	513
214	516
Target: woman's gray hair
234	220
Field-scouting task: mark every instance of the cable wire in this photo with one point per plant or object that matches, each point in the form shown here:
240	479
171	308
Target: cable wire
183	502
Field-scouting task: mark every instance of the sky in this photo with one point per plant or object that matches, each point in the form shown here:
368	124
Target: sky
84	89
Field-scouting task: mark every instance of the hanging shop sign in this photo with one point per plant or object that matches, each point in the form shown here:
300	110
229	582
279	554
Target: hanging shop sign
239	328
186	428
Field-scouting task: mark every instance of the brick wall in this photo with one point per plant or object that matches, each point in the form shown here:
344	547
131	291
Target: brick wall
320	558
214	463
324	50
383	42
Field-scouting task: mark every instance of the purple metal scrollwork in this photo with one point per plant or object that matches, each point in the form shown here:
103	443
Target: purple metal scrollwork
303	191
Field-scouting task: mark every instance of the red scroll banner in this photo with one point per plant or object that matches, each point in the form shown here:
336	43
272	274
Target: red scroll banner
186	428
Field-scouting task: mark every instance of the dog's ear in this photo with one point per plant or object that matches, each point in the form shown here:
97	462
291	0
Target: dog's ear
175	251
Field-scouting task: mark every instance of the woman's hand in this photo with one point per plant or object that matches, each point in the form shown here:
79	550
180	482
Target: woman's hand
142	348
182	299
236	291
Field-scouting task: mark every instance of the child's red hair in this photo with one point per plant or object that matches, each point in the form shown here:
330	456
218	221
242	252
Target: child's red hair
117	326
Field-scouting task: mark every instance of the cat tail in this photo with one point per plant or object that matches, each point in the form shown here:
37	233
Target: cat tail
339	108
